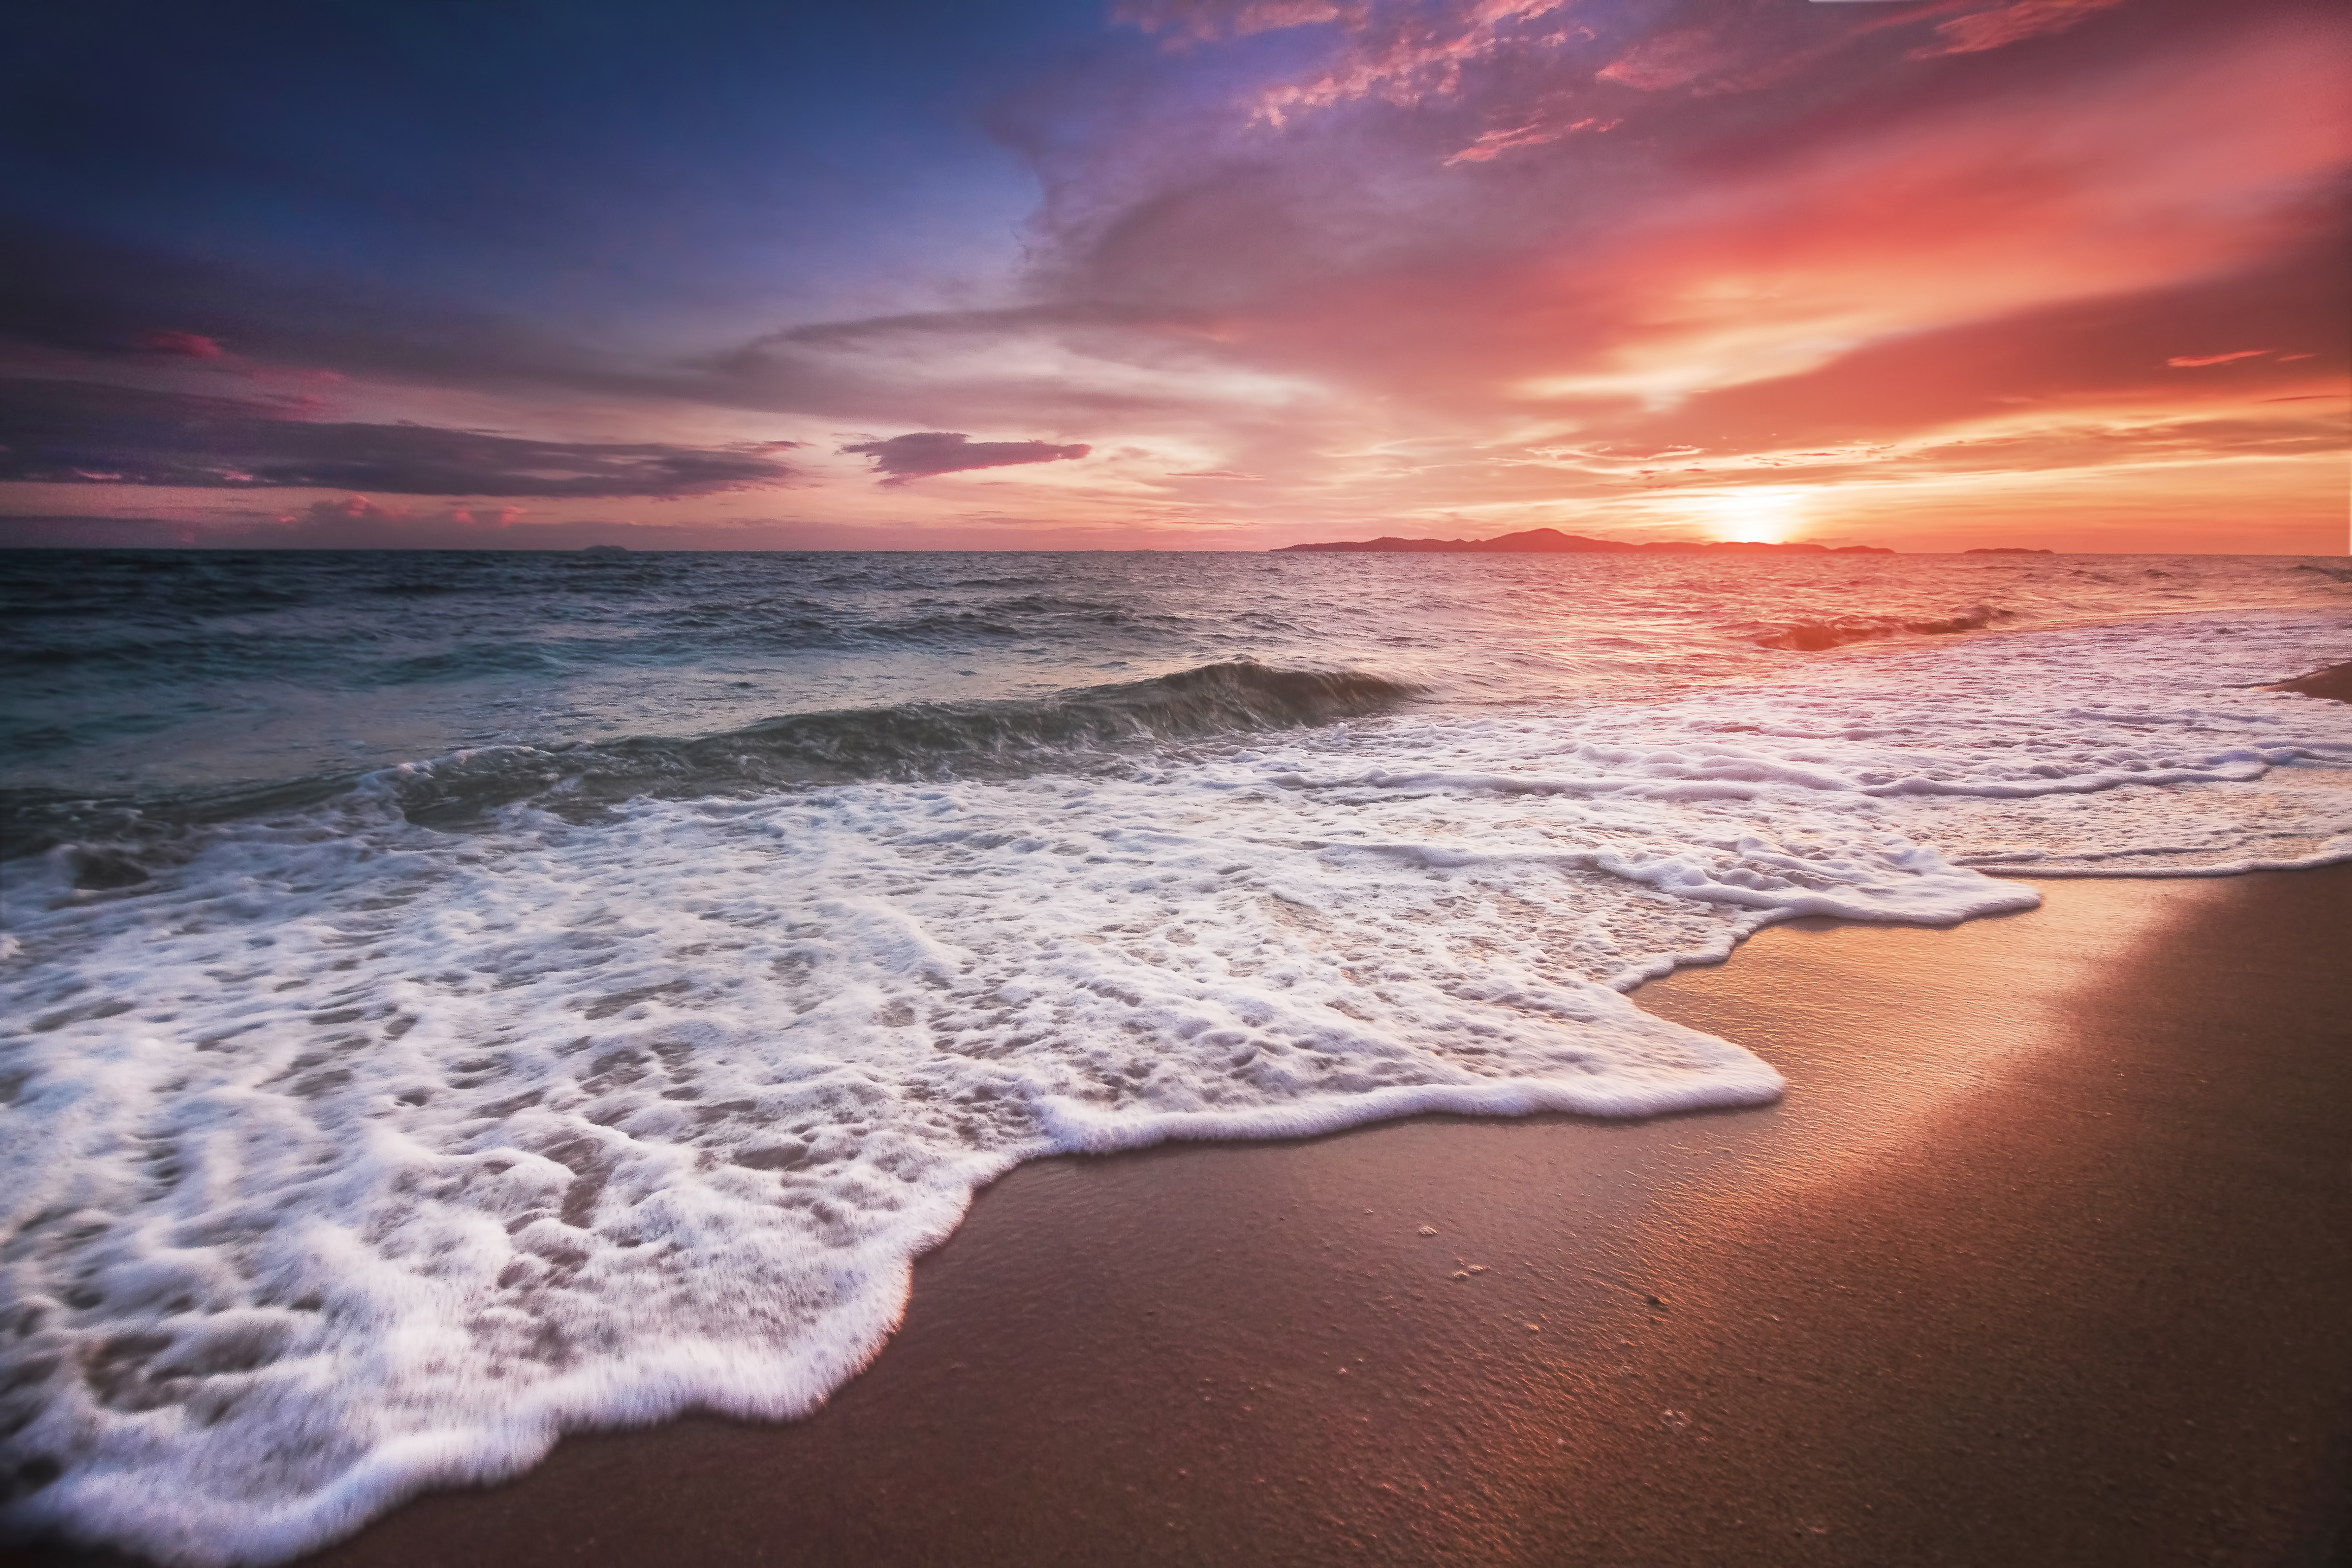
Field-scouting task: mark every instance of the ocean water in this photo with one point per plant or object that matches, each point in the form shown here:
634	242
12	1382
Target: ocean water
453	1000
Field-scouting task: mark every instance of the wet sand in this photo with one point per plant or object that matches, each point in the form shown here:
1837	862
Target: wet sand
2334	683
2046	1258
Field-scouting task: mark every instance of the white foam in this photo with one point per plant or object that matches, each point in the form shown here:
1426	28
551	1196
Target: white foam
351	1157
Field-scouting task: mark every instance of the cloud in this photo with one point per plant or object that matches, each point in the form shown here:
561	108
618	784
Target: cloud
2009	25
1783	233
2192	362
1072	314
188	345
926	452
1189	21
1406	54
67	432
334	527
69	294
1493	144
2145	179
1669	59
1378	255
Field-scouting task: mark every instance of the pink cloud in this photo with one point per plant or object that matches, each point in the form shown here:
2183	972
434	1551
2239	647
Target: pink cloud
2144	177
355	509
215	357
190	345
1408	59
1696	278
1670	59
1202	20
1493	144
2009	25
362	522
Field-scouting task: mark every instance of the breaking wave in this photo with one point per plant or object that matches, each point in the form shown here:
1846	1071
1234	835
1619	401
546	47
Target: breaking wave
1082	727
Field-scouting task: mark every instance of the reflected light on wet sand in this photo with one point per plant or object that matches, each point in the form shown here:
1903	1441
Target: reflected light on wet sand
1921	1017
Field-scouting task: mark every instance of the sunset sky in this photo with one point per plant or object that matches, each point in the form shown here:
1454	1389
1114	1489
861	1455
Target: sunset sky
1184	274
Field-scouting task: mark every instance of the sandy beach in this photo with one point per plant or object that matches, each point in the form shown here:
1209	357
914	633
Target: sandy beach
2334	683
1176	784
2044	1259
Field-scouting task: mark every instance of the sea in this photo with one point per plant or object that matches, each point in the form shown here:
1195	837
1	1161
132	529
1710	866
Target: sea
456	999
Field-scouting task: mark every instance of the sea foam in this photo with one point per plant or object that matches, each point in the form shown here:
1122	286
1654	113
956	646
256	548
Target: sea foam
347	1157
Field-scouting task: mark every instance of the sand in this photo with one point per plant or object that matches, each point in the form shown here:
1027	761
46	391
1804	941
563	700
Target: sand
2046	1258
2334	683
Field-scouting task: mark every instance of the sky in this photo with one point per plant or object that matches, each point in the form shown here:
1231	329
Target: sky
1175	274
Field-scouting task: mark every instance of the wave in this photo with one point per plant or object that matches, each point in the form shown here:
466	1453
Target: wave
1817	636
909	739
353	1158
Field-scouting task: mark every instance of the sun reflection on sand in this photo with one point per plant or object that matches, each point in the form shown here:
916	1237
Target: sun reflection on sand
1979	1008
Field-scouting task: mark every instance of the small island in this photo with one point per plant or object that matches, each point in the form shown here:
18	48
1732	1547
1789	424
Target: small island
1552	541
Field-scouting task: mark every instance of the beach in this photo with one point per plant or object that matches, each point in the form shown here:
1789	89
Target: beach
2044	1259
1186	782
1204	1109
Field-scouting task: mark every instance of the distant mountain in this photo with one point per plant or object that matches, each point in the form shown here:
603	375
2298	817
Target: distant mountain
1552	541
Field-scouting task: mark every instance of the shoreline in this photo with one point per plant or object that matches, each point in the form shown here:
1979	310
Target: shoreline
2042	1259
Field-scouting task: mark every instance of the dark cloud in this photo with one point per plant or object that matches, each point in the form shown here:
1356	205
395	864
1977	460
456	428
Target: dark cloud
925	452
65	432
1064	316
73	296
342	526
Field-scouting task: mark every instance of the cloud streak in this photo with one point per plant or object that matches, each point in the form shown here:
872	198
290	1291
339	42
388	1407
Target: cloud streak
2195	361
924	453
2009	25
90	433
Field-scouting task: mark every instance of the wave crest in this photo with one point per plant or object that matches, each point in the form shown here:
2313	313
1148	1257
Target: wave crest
909	739
1817	636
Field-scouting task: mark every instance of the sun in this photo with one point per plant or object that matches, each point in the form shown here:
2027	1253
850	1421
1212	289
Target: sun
1752	515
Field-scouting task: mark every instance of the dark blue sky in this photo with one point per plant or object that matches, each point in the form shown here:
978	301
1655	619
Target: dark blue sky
540	156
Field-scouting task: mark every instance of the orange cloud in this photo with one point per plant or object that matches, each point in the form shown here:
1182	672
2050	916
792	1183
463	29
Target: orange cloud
2154	177
1774	302
2192	362
1964	305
